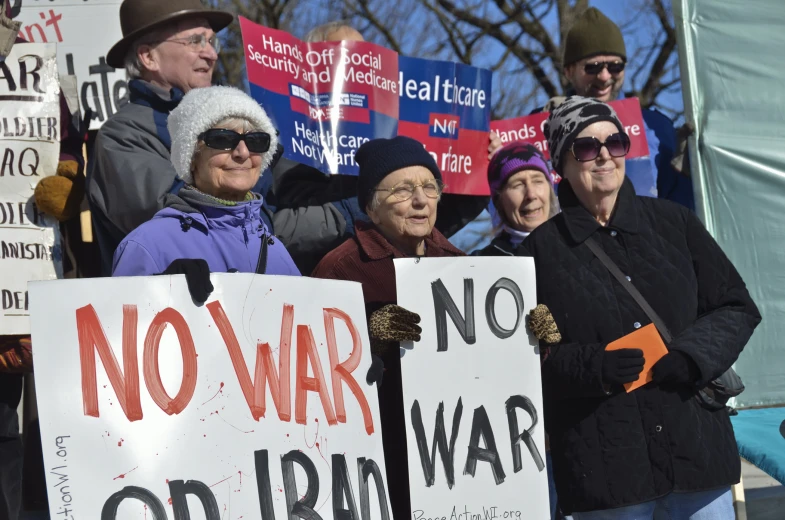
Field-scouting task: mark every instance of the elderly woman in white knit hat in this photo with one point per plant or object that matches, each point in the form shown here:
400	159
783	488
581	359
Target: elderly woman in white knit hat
221	142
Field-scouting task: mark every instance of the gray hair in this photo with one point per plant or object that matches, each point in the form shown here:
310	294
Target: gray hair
133	65
320	33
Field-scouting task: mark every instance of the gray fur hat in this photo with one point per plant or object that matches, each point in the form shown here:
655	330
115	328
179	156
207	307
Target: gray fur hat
567	120
200	110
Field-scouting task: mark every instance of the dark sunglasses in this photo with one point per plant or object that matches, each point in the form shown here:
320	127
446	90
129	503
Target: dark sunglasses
588	148
594	68
223	139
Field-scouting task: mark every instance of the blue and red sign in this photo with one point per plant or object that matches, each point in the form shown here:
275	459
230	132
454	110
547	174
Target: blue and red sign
447	107
325	99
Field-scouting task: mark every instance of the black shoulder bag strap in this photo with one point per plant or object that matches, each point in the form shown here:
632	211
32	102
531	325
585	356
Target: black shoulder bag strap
261	264
717	393
616	272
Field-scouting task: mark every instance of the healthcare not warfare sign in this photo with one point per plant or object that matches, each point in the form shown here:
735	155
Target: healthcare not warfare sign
447	107
326	99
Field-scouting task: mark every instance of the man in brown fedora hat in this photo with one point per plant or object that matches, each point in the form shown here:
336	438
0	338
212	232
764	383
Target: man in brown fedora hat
168	48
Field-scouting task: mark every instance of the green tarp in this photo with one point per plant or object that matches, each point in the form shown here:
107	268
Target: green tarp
732	55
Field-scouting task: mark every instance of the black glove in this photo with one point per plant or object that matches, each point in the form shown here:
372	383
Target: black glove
675	368
622	366
376	371
197	276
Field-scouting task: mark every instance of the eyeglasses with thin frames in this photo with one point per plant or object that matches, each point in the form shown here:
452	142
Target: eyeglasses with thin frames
196	42
405	190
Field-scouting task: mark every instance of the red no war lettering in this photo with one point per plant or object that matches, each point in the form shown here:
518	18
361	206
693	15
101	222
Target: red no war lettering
124	378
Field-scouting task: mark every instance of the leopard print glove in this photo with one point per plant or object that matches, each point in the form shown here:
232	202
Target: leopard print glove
16	356
543	326
392	324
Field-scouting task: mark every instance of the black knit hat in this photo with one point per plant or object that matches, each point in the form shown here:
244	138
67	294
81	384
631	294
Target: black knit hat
380	157
593	34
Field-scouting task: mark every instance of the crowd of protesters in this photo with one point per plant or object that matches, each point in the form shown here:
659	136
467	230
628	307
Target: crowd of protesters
189	178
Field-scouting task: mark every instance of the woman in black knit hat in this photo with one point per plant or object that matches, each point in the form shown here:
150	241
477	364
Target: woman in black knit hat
399	187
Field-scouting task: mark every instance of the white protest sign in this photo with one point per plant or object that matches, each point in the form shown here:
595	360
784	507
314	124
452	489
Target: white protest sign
84	31
30	150
254	405
472	391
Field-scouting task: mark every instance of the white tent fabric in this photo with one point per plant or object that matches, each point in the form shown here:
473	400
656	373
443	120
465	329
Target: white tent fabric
733	80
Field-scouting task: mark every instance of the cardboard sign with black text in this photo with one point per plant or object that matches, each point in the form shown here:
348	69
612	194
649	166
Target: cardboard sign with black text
472	390
29	151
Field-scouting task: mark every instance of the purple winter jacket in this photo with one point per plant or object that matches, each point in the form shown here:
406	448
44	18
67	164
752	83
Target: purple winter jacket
229	238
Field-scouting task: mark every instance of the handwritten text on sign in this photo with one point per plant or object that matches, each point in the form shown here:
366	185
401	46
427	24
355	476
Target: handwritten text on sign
29	151
255	403
81	49
474	381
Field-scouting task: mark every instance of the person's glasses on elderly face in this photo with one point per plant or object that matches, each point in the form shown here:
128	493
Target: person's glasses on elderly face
224	139
586	149
405	190
196	42
595	67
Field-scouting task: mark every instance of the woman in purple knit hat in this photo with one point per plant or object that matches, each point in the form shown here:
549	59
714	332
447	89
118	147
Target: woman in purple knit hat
522	195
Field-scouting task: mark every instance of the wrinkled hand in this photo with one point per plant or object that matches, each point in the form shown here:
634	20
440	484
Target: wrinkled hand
60	195
495	145
675	368
543	326
376	371
392	324
197	276
622	366
16	355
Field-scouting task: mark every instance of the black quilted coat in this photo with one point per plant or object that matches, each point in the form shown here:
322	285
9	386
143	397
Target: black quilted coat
615	449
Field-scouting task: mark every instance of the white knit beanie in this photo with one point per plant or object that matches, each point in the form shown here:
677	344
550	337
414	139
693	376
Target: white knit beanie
202	108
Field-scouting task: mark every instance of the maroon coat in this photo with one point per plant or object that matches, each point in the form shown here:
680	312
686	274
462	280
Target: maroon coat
368	258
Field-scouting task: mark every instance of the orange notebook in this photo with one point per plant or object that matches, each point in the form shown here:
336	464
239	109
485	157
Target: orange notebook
649	341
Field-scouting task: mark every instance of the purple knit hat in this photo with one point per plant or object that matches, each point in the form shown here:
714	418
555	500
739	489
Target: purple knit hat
512	158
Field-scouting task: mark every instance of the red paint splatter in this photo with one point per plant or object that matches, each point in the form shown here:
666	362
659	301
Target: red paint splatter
124	474
205	435
220	391
170	501
287	434
224	480
121	442
167	481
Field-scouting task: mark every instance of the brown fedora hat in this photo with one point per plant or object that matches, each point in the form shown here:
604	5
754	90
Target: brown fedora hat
140	16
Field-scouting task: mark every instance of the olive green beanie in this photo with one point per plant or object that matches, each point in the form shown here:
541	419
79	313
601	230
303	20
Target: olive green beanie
592	34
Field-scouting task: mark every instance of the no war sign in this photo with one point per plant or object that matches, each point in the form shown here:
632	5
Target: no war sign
472	390
253	405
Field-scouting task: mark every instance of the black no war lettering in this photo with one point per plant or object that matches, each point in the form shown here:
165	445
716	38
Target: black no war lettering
444	306
481	429
345	507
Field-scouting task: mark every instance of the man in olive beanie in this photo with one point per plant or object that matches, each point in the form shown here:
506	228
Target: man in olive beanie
595	56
